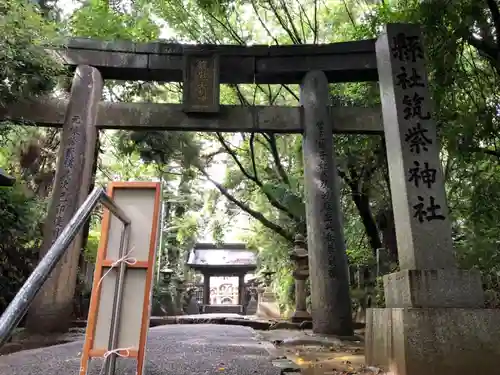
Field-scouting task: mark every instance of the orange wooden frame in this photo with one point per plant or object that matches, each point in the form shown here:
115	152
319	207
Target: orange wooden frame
102	262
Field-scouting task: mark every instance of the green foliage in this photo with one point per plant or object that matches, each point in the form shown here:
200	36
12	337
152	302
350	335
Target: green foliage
96	19
20	216
25	68
90	251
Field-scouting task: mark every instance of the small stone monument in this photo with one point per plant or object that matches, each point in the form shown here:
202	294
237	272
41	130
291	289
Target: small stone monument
166	303
299	256
180	288
191	306
251	308
267	307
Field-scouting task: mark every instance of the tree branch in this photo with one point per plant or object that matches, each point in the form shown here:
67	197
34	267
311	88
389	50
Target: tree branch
495	14
486	50
271	140
283	23
315	22
290	20
351	18
275	203
485	151
256	215
263	24
252	154
291	92
229	29
308	22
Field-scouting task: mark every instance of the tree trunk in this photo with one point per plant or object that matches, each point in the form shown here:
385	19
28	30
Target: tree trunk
385	221
362	202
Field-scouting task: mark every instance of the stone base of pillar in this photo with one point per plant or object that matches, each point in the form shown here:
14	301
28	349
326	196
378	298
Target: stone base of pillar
434	288
53	318
433	341
251	308
300	316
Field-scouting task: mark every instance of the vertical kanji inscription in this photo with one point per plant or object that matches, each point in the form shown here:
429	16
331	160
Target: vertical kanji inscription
417	183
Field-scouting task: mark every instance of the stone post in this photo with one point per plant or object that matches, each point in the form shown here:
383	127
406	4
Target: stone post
330	299
383	262
359	277
241	294
206	289
52	308
433	322
180	288
166	300
299	256
241	290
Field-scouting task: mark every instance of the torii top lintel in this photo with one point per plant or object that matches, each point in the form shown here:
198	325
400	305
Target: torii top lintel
164	62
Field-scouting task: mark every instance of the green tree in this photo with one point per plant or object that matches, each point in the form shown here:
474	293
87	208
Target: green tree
25	70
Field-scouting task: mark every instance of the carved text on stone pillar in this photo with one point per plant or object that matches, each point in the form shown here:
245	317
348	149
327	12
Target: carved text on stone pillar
66	183
407	51
201	83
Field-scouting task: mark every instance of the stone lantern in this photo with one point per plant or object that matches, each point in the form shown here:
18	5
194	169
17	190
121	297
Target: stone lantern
189	304
166	302
5	179
300	258
267	274
166	275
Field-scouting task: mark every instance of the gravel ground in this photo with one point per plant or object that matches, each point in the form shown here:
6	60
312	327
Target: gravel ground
172	350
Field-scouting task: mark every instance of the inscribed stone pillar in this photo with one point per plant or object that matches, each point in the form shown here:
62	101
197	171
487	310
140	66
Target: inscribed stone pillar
423	226
433	322
330	300
52	308
206	289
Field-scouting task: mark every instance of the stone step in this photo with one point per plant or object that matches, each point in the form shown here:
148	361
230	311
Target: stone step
222	309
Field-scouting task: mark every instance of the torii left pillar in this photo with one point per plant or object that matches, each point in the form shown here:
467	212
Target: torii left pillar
51	311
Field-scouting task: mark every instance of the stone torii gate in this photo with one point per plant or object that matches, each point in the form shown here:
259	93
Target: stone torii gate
433	322
203	68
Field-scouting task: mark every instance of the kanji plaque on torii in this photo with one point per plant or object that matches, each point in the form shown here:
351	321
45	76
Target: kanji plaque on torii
201	83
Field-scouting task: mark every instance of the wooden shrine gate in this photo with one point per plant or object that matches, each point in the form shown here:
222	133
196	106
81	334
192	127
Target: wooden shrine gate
428	292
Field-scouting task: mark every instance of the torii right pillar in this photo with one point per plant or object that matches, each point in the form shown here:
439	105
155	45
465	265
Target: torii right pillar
434	322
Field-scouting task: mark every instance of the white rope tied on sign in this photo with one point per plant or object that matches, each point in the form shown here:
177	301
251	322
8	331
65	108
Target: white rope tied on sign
124	259
116	351
130	261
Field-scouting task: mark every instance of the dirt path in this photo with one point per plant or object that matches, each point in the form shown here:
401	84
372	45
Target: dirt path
171	350
321	355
